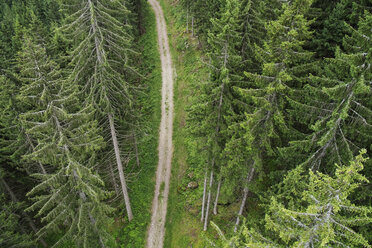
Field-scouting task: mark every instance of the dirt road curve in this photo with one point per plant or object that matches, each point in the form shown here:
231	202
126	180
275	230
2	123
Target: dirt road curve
156	231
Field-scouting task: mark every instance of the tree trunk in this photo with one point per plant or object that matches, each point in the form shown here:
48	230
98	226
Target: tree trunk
192	26
187	21
113	178
208	202
246	190
204	192
217	196
27	217
136	148
120	168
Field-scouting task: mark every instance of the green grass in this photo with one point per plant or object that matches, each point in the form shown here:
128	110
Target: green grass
141	189
183	227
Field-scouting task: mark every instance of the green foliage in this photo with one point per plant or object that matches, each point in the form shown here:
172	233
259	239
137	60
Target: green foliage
69	194
210	112
295	108
101	58
10	235
202	12
327	215
133	234
285	64
329	23
16	17
338	107
323	217
288	90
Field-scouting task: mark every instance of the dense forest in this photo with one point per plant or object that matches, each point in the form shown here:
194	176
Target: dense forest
278	135
284	120
72	82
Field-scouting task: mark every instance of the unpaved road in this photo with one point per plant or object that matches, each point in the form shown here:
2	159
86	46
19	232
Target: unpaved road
156	231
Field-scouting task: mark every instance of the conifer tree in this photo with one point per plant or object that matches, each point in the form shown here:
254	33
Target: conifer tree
7	116
101	64
254	14
200	13
323	215
239	168
285	64
10	236
16	207
329	24
329	216
70	194
338	106
214	105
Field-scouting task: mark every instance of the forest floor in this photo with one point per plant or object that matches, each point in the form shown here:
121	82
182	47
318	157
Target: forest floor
156	231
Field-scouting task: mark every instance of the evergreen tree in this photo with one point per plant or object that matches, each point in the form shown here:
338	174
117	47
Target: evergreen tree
239	169
329	26
201	13
323	216
214	105
10	236
284	65
70	194
338	107
328	216
7	115
101	64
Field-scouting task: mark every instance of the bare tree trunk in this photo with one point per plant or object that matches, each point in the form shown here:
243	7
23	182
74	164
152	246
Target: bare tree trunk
208	202
246	190
204	192
187	21
192	25
217	196
113	178
136	148
120	168
27	217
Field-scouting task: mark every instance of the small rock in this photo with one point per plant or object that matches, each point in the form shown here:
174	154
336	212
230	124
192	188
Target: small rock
192	185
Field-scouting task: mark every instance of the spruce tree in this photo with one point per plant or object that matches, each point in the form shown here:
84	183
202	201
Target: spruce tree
285	63
10	226
70	194
10	236
101	65
199	15
322	215
338	104
327	217
329	24
214	106
239	167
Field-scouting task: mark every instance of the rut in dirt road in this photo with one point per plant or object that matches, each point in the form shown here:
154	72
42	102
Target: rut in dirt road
156	231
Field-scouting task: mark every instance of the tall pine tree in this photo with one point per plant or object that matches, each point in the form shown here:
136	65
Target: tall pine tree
70	194
101	65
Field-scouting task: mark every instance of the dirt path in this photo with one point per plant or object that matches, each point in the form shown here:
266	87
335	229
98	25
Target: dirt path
156	231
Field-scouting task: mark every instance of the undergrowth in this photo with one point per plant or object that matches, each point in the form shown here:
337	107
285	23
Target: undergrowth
141	189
